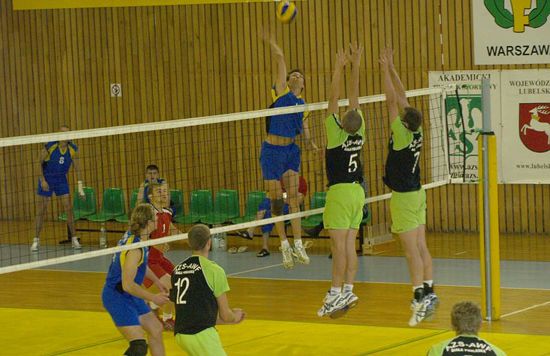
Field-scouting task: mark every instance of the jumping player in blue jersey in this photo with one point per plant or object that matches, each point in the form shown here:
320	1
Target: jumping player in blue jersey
280	156
124	297
55	161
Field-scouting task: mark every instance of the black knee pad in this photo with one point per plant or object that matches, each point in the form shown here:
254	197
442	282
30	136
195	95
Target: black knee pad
277	206
137	348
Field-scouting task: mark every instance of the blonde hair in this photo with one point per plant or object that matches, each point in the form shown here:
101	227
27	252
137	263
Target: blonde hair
466	318
142	214
198	236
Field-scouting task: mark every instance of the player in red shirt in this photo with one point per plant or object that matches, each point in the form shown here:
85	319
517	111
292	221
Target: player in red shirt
159	197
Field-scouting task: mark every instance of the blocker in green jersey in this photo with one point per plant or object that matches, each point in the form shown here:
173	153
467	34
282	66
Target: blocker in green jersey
199	288
408	200
345	197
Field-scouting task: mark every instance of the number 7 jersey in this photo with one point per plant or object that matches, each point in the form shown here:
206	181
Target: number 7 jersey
197	282
343	155
402	164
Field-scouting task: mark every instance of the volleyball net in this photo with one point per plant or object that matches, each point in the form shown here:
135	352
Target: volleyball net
211	165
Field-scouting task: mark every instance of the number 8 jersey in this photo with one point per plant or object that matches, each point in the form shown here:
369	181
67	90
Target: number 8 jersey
402	164
196	283
343	155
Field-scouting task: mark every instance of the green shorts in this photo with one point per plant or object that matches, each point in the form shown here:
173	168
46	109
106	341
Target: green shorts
344	206
408	210
207	342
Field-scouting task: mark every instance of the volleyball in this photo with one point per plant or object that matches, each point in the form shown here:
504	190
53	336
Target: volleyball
286	11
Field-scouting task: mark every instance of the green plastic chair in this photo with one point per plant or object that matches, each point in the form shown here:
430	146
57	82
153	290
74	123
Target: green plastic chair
112	206
82	208
226	207
253	200
176	202
317	201
133	201
200	206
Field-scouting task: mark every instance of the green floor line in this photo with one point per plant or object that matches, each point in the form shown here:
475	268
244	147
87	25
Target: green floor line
83	347
405	342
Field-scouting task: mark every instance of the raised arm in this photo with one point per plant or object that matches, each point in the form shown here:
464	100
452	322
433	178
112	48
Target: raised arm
355	58
389	90
401	97
279	58
334	95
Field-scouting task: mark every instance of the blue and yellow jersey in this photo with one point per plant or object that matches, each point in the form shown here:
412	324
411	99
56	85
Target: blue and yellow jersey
58	161
114	276
286	125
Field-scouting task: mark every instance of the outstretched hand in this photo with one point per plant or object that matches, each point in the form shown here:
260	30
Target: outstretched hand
356	50
341	58
269	37
386	57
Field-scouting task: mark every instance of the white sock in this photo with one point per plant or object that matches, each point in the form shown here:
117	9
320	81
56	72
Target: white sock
335	290
166	316
348	288
429	282
285	244
298	243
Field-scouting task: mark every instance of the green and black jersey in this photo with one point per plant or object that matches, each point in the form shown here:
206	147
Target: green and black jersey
343	155
402	164
196	283
465	345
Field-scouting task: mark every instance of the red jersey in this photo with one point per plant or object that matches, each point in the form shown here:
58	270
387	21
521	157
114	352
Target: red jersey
302	186
164	219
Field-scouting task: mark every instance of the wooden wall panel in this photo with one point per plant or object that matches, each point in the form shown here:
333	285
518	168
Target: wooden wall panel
186	61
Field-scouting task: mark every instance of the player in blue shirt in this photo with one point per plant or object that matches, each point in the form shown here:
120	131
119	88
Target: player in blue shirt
280	156
124	297
55	161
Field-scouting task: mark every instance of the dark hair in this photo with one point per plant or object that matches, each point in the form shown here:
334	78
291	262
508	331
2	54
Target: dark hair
152	167
351	122
296	70
198	236
412	117
142	214
466	318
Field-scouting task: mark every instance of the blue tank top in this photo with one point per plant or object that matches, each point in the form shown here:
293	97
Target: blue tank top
58	162
286	125
114	276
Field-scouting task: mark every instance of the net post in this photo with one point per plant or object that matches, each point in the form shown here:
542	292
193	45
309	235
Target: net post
488	213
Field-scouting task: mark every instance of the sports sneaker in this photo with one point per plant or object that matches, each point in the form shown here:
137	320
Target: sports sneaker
334	305
434	303
263	253
35	244
301	255
418	311
288	261
168	325
351	299
76	244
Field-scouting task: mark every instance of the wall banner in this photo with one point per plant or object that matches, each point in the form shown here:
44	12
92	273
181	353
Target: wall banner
511	32
464	117
525	143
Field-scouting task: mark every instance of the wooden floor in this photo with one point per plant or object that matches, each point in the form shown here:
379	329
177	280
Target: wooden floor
524	247
381	304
